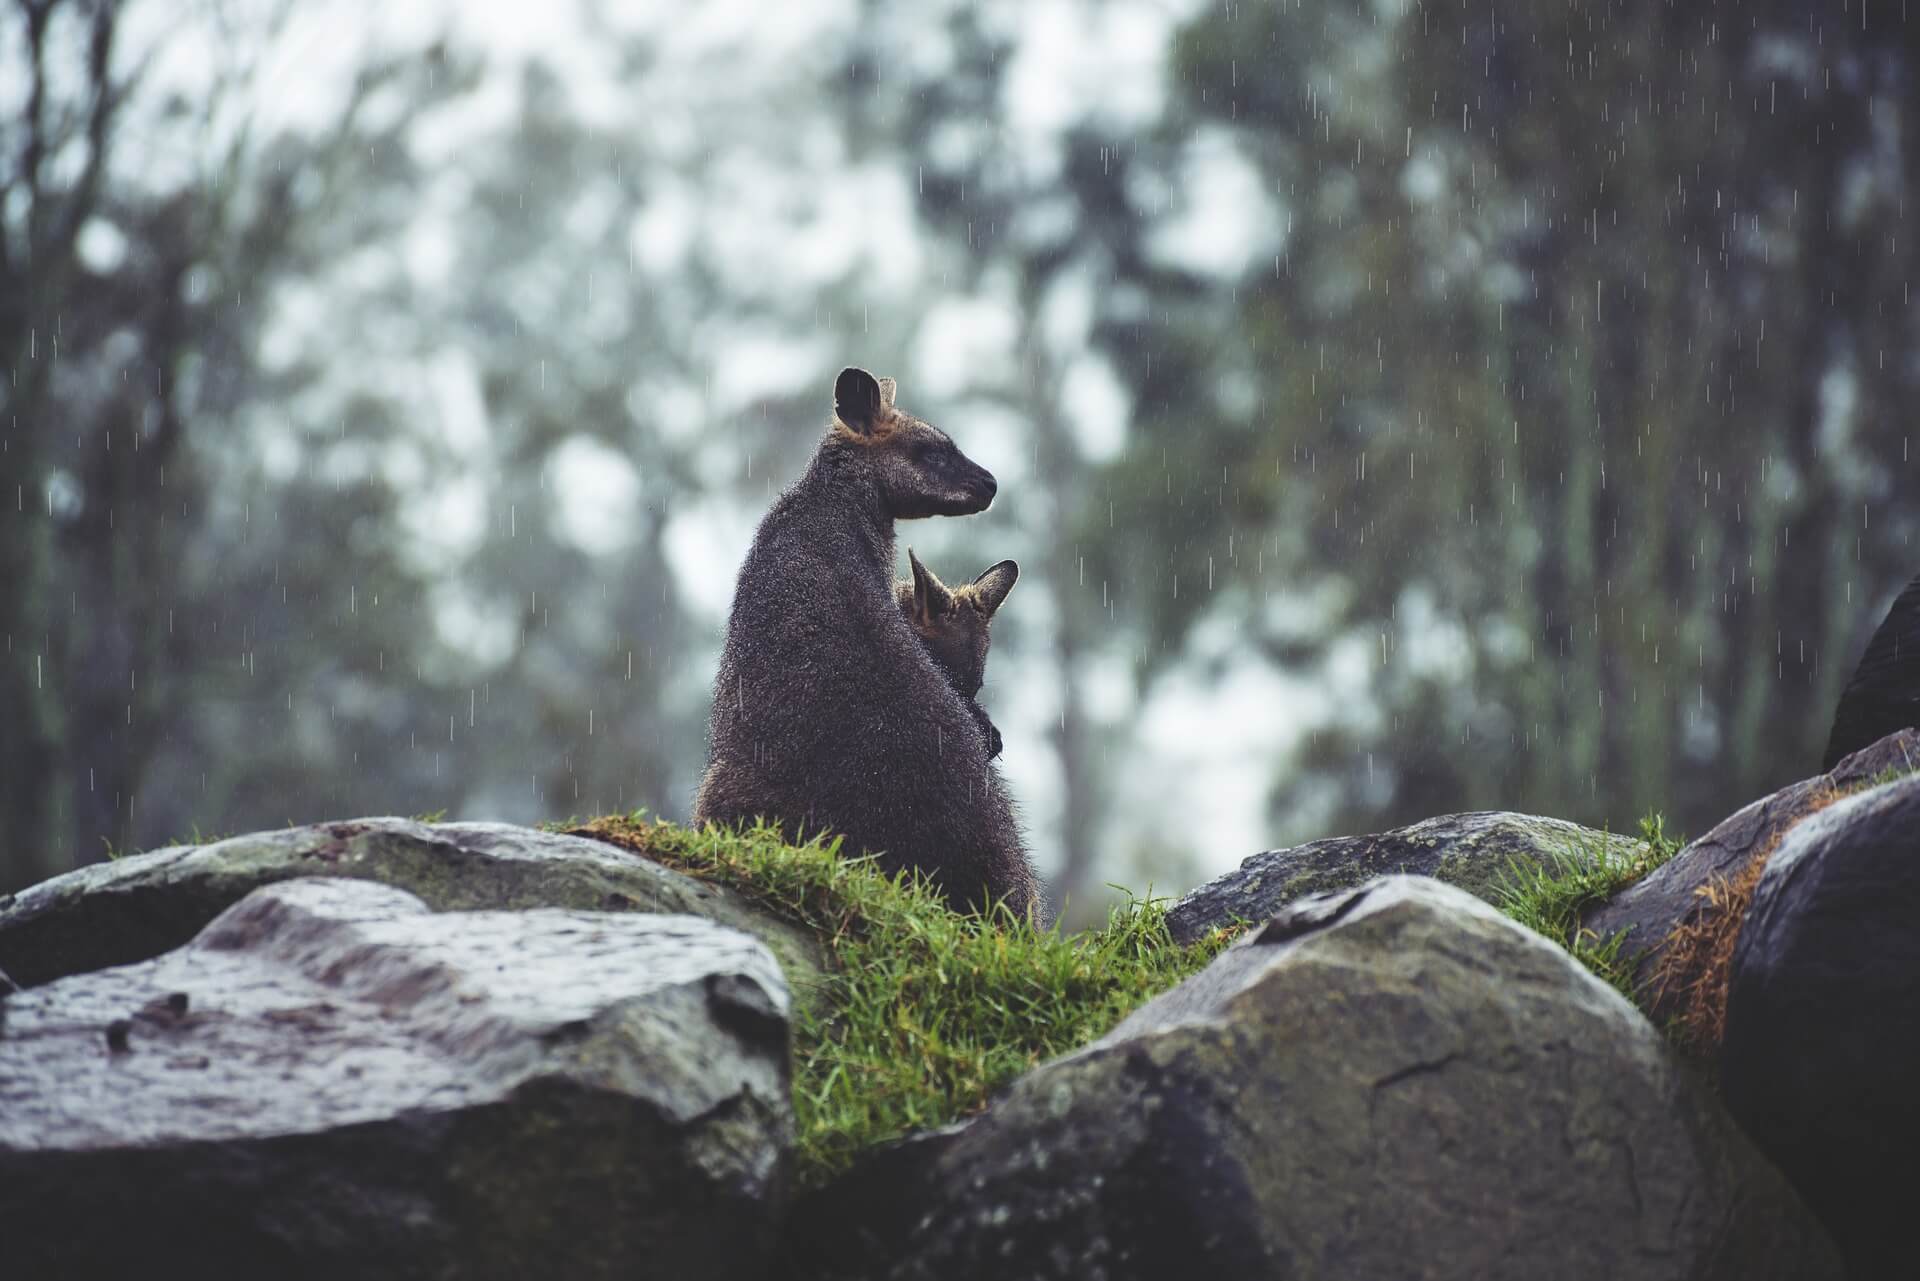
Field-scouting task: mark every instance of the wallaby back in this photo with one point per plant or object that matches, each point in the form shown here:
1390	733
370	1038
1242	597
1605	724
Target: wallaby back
953	623
828	712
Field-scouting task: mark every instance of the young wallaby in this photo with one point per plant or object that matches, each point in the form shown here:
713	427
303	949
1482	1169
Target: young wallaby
828	712
952	622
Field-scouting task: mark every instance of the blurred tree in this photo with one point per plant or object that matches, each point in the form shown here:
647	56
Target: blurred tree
505	671
507	358
148	561
1574	378
53	146
562	332
299	440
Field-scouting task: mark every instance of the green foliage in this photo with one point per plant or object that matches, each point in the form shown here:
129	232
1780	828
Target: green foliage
1461	405
927	1012
1550	899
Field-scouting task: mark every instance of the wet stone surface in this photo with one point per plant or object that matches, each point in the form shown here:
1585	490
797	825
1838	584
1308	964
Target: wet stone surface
1652	908
1823	1019
1471	851
1392	1082
334	1080
137	907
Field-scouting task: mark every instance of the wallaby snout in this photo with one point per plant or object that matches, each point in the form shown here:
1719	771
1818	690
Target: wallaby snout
984	488
960	487
937	480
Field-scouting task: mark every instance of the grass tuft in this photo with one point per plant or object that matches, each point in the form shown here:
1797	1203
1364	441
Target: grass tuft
927	1012
1891	774
1551	898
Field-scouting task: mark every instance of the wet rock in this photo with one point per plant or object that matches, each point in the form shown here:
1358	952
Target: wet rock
1883	696
1823	1020
1471	851
332	1081
1659	908
1393	1082
145	904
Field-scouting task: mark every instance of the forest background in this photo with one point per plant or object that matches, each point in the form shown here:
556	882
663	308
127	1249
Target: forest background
1399	408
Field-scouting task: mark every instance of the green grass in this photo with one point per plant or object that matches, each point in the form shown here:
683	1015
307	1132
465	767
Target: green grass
196	837
1550	899
927	1012
1891	774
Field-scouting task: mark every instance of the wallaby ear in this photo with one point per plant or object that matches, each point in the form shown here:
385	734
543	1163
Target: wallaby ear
857	401
887	388
931	598
992	587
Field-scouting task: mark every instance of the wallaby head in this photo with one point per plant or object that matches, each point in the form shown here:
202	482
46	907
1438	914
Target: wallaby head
916	468
952	622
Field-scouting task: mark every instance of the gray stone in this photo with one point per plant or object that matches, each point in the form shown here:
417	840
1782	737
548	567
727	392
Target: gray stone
1651	909
1393	1082
332	1081
1823	1020
1472	851
145	904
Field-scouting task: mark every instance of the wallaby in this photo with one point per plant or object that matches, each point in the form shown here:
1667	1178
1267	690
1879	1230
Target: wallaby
952	623
828	712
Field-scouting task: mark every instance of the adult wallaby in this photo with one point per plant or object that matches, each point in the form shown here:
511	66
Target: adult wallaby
828	712
953	622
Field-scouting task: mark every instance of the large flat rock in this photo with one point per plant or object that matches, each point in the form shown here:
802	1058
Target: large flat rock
333	1081
137	907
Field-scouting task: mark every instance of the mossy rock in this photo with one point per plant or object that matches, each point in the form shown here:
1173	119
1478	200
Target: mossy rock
1396	1081
1471	851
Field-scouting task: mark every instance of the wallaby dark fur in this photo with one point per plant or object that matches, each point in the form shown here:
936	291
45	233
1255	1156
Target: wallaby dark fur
828	712
953	623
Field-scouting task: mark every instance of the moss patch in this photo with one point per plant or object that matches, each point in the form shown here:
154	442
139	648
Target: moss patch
1550	898
927	1012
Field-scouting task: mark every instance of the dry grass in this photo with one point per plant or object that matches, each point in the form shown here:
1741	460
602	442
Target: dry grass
1696	959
